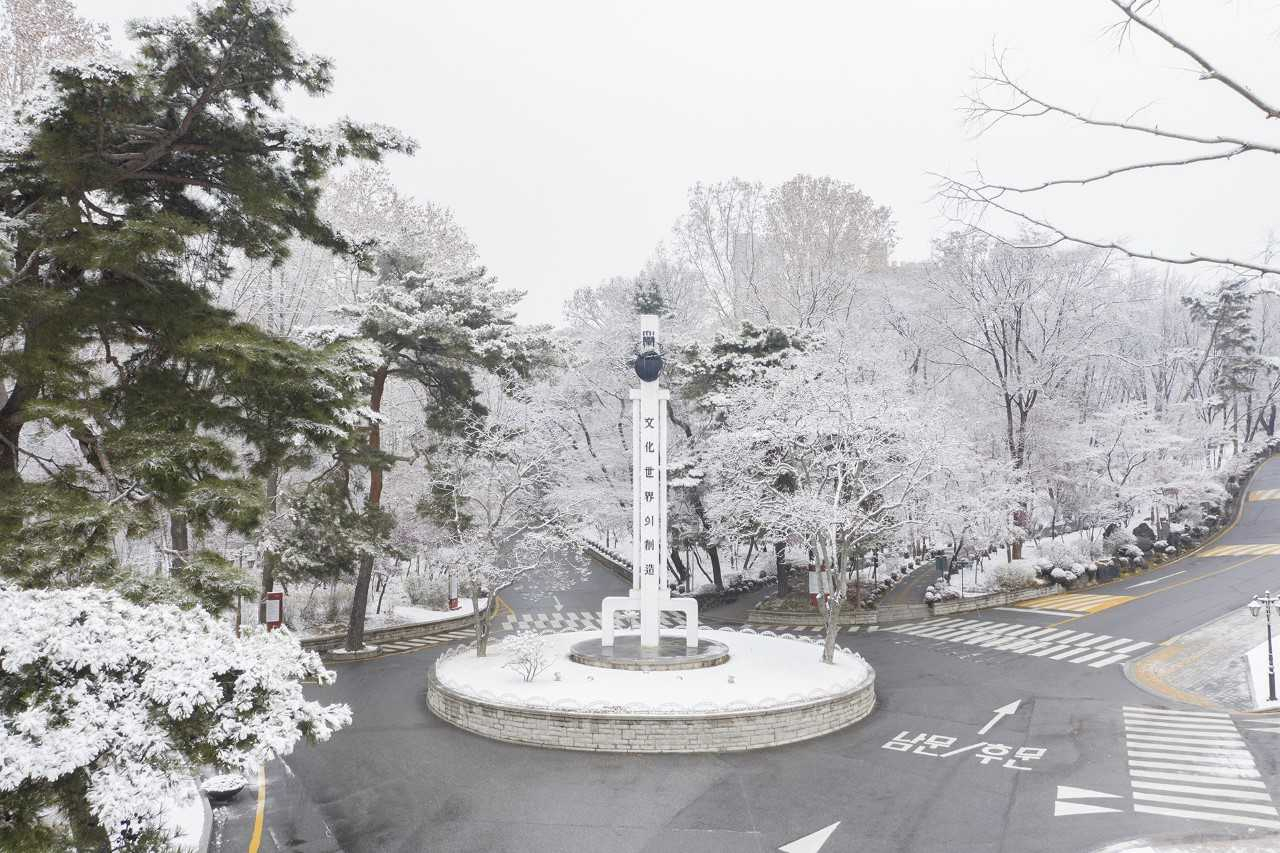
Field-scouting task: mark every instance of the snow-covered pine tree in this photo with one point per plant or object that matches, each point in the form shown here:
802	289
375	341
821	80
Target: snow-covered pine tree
436	331
126	187
730	363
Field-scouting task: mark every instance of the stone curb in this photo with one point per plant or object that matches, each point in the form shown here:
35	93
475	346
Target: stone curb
331	643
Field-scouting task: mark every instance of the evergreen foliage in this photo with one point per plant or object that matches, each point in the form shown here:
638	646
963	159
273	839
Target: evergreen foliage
127	187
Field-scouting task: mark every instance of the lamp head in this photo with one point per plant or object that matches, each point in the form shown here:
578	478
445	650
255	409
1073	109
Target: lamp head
1255	606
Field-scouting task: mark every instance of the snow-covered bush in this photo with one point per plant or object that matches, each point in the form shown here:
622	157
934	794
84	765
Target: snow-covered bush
1120	542
1019	574
1063	554
424	590
939	592
110	700
526	653
322	604
1064	576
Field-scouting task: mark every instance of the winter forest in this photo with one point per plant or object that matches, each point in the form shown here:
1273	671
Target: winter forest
236	358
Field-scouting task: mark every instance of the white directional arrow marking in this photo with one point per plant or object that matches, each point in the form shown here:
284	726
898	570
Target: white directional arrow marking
1001	713
1061	809
1065	792
812	842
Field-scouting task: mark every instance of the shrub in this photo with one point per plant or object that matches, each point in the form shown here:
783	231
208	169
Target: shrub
1063	554
1119	542
1064	576
526	654
1012	576
425	591
940	592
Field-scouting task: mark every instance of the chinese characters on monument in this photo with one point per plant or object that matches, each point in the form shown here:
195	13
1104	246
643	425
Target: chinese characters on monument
649	593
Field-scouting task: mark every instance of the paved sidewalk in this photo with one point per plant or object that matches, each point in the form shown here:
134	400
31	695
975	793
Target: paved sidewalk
1205	666
910	590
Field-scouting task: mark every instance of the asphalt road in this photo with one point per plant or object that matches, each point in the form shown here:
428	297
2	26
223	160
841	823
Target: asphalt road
401	780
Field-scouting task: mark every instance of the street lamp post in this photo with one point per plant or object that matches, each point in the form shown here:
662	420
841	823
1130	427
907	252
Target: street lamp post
1266	602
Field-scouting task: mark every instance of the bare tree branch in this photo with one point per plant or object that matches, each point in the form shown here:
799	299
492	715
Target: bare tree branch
1209	70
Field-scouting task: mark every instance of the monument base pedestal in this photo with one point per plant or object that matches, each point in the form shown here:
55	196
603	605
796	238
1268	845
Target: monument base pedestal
627	653
650	604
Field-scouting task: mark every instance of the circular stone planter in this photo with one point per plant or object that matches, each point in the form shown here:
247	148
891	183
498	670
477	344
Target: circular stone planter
701	710
223	789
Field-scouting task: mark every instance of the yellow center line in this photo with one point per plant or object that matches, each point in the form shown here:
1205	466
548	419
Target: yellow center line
1198	552
1133	598
256	840
1196	578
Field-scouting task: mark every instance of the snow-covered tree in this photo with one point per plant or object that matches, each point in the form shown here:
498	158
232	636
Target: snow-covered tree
129	185
791	255
35	34
501	492
969	503
436	332
106	704
831	454
752	357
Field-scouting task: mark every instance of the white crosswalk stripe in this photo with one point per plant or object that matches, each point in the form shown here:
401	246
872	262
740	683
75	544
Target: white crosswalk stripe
589	620
413	643
1194	765
1082	647
584	620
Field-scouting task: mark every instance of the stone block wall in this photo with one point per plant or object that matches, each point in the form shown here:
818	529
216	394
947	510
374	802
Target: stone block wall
374	636
608	732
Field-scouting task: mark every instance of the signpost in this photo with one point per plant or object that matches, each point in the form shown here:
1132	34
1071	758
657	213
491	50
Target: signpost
273	610
649	593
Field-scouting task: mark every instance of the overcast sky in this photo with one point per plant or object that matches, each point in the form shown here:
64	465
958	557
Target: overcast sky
564	134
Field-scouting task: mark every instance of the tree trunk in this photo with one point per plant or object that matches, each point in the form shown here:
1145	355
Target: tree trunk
180	541
784	571
360	601
483	619
831	606
682	571
713	551
359	604
269	557
11	430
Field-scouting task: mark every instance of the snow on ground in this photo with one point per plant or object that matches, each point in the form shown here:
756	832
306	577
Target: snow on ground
978	579
419	615
1258	680
184	809
762	671
400	617
372	622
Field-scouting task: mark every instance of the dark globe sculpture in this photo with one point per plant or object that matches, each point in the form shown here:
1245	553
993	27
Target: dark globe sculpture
648	366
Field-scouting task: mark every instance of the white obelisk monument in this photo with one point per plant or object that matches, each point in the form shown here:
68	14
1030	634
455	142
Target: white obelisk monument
649	593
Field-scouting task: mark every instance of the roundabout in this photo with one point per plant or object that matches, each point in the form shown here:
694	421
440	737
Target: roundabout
772	690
